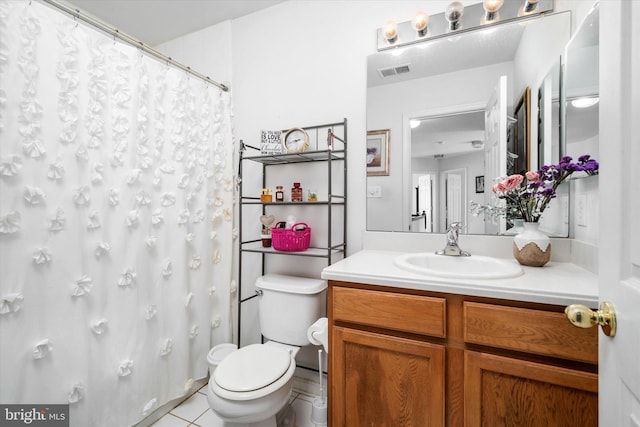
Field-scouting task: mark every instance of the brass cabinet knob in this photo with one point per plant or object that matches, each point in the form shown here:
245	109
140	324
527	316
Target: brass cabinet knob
583	317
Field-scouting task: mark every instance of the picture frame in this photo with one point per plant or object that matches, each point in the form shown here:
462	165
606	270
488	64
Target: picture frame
480	184
377	156
521	144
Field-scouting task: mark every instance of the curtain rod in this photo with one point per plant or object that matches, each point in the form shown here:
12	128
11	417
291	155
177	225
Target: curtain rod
77	14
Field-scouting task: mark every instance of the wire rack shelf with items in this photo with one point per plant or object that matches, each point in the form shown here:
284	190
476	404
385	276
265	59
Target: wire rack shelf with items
320	153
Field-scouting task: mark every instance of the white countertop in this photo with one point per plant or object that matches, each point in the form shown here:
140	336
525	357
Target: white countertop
556	283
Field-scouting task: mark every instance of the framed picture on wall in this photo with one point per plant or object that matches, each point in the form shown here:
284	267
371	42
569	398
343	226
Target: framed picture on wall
480	184
378	152
522	133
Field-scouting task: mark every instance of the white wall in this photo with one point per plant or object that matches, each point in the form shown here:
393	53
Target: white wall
207	51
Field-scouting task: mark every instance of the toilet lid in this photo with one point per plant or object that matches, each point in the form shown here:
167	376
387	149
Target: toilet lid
252	367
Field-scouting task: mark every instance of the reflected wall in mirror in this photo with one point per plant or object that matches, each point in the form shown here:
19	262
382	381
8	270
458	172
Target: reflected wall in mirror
549	129
462	90
581	121
581	87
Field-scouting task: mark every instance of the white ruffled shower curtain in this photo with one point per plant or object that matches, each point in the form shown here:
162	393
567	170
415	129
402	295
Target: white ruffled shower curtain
116	199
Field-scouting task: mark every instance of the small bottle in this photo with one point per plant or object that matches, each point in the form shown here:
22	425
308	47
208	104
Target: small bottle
279	193
296	192
266	195
312	196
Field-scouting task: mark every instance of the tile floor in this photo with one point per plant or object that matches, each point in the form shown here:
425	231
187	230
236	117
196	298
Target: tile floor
195	411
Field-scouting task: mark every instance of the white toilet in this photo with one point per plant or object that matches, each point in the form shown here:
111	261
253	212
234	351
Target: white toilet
251	384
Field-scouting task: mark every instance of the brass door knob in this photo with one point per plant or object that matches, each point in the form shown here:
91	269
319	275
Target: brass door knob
583	317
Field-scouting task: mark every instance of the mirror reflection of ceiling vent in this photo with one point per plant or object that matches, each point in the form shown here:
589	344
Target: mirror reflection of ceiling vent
394	71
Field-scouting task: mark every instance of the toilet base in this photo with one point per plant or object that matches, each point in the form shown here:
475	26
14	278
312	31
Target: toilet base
270	422
285	417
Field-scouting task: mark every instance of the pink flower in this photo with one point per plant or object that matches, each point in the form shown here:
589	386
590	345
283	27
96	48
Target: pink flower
532	176
512	182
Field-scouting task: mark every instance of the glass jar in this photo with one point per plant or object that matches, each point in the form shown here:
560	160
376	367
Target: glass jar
296	192
266	195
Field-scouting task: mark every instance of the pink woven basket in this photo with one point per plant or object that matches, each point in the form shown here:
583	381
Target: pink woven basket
294	239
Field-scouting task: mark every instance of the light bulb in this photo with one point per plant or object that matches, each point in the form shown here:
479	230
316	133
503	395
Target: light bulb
491	8
528	7
419	22
390	31
453	13
492	5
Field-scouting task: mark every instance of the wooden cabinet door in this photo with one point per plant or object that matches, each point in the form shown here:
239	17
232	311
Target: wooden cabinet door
500	391
380	380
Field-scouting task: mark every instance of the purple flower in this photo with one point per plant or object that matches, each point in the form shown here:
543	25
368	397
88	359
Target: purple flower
549	192
528	200
591	166
536	184
566	159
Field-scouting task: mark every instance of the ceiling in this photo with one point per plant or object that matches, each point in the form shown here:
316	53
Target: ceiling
156	21
448	135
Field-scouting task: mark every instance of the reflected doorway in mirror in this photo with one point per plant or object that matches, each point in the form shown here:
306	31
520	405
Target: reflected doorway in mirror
519	141
378	152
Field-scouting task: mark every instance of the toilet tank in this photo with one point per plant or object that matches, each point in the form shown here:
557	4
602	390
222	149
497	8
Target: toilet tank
288	306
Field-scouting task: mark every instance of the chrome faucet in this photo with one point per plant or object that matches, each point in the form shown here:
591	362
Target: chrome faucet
452	248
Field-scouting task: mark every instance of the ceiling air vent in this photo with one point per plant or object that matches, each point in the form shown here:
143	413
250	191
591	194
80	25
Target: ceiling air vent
394	71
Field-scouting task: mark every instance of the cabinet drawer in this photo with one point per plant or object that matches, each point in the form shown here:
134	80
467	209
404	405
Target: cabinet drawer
401	312
532	331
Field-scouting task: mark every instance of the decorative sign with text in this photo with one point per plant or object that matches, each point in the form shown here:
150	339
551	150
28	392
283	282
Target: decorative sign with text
271	142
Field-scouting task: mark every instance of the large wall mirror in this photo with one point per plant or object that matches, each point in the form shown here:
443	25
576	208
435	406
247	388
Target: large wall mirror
449	106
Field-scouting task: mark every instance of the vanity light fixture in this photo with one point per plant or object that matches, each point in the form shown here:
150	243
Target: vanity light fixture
426	26
390	30
453	14
491	8
414	123
420	22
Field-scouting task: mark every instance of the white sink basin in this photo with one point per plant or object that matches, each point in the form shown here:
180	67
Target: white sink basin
458	267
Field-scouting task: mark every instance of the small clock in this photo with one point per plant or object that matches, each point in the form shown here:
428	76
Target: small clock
296	140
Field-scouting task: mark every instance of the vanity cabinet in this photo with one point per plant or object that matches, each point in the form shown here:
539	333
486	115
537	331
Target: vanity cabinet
402	357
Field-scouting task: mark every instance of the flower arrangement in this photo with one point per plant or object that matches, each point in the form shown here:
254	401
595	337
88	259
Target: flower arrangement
528	200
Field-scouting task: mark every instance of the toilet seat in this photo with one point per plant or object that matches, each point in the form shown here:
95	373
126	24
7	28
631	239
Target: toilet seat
252	372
